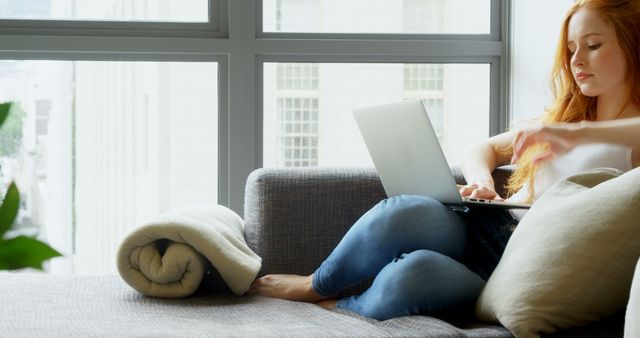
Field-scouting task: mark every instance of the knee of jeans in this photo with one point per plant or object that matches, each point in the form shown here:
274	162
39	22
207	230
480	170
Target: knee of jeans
405	207
433	280
412	199
403	287
417	267
400	213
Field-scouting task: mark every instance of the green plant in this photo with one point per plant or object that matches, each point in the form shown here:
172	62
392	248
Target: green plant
11	130
20	251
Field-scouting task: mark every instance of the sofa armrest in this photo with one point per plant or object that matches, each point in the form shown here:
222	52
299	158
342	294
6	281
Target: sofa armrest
294	217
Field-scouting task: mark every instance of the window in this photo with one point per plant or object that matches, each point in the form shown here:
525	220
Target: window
531	71
297	143
315	127
423	77
377	16
297	76
297	97
107	145
132	107
426	82
421	16
115	10
43	112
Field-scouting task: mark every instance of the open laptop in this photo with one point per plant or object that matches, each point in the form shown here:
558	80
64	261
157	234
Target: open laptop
407	154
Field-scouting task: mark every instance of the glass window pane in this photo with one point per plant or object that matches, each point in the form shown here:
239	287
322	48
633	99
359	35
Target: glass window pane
109	10
98	148
456	97
378	16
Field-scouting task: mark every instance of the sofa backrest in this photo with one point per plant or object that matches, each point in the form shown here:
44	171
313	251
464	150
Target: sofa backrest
294	217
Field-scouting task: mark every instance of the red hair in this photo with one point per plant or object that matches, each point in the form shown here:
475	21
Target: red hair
570	105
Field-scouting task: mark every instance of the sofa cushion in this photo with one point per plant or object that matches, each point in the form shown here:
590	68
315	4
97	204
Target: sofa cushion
294	217
632	319
42	305
571	259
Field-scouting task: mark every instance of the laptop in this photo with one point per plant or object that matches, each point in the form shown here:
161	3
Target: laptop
407	154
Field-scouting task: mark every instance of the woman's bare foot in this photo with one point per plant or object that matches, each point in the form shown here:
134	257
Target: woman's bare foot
290	287
327	303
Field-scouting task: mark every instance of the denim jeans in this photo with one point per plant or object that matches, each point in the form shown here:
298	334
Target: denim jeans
416	250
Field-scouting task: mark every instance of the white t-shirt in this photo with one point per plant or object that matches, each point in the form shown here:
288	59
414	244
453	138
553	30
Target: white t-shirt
581	158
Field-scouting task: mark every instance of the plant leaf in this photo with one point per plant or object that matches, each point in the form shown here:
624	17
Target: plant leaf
9	209
25	252
4	111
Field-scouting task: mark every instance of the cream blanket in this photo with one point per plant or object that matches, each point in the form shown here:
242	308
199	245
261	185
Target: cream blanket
196	235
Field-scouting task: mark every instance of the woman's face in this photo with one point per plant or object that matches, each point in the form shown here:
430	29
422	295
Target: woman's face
597	61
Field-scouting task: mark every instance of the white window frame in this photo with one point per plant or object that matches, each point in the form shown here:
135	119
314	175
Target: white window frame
234	38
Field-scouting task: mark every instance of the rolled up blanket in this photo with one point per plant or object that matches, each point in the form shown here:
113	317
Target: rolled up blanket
169	256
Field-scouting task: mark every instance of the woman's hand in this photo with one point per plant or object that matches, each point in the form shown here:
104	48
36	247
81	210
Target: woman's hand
559	138
479	190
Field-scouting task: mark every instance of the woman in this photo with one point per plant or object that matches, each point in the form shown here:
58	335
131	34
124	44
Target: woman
426	258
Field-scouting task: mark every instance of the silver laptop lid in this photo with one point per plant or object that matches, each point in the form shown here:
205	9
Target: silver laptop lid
406	152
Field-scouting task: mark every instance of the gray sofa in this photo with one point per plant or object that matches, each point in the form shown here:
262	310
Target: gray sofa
294	218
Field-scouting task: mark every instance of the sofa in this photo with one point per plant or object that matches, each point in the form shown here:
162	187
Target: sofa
293	219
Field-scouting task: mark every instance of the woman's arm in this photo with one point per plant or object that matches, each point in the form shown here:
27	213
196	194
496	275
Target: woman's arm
562	137
480	160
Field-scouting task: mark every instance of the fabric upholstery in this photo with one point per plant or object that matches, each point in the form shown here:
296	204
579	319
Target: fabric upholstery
41	305
632	319
294	217
571	259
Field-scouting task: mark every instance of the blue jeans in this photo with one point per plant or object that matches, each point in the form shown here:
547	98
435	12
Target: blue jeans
416	248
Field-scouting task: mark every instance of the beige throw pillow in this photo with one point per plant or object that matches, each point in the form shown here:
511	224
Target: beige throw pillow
632	318
571	259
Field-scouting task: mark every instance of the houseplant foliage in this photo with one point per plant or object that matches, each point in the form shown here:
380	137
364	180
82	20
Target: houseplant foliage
11	130
20	251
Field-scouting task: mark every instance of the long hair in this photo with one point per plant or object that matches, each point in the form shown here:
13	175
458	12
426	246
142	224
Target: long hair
570	105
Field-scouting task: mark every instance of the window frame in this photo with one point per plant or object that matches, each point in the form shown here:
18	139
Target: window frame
214	28
234	38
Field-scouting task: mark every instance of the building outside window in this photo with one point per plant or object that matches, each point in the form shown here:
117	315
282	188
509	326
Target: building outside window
298	144
297	111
